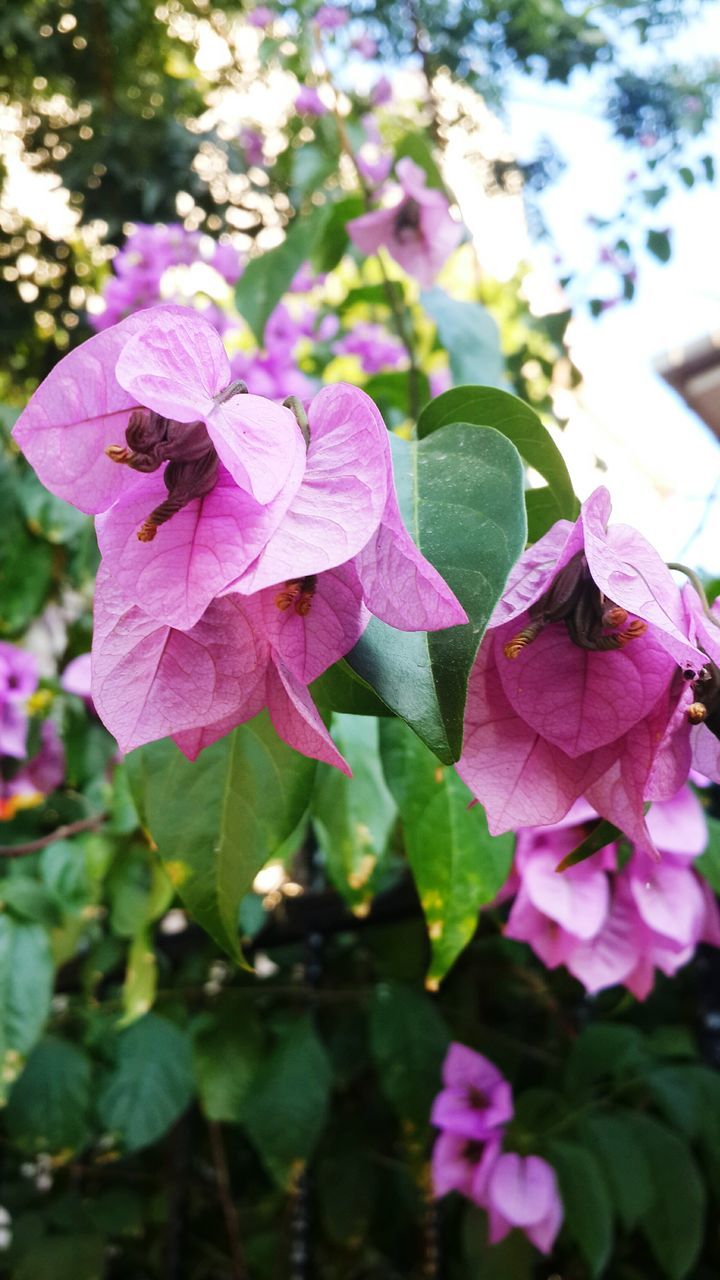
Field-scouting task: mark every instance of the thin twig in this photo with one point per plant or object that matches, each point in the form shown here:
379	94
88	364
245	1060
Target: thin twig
693	578
232	1223
60	833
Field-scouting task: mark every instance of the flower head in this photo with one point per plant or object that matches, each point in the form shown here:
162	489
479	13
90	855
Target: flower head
309	103
417	231
476	1100
522	1192
18	680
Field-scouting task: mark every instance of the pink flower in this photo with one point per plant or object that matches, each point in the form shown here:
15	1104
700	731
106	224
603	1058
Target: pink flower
381	92
455	1162
18	680
417	231
522	1192
76	678
365	46
252	144
375	348
309	103
476	1100
260	16
576	688
330	19
38	776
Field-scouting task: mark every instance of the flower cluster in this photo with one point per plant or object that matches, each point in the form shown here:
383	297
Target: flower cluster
597	677
140	265
472	1112
24	781
608	925
244	545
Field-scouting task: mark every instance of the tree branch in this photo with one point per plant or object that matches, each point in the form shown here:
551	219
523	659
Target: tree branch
60	833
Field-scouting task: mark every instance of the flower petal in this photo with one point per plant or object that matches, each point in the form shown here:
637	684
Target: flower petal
309	644
297	719
175	364
260	443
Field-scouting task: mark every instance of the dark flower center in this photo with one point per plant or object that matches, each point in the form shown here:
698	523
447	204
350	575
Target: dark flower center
297	594
592	620
407	220
478	1098
706	690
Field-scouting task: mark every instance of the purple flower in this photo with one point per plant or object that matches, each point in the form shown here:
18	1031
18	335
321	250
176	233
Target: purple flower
309	103
139	267
365	46
252	144
381	92
18	680
37	777
522	1192
227	262
576	688
76	677
417	231
375	348
260	16
328	18
476	1100
456	1163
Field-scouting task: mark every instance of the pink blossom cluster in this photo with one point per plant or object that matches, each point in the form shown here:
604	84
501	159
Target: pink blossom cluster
608	923
23	782
244	545
472	1112
143	260
597	678
273	371
374	347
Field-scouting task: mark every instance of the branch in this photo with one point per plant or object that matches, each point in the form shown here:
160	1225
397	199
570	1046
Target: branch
60	833
232	1225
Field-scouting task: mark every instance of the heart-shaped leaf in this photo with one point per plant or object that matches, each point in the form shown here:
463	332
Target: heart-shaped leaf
488	407
218	819
461	495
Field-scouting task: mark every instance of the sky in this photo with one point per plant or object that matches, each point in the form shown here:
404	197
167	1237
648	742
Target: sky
662	461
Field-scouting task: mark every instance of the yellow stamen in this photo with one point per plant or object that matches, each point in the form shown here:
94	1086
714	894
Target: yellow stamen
147	531
696	713
117	453
514	647
615	616
637	628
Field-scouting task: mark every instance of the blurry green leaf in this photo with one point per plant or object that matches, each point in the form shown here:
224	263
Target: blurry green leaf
470	336
673	1225
312	165
459	489
654	196
686	175
47	515
266	278
541	508
409	1040
391	391
658	243
139	891
331	239
457	865
68	1257
28	900
588	1211
511	1259
150	1085
140	983
217	821
26	980
353	817
49	1106
602	834
25	576
287	1103
624	1164
416	146
488	407
227	1052
341	689
64	869
708	864
603	1051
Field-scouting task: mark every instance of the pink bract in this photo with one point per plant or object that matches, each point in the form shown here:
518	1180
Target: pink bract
417	231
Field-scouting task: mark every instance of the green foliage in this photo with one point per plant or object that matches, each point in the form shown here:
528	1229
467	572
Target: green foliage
409	1039
588	1213
470	336
150	1084
49	1106
26	976
458	488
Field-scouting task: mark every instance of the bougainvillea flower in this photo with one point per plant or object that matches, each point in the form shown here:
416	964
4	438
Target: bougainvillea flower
163	375
476	1100
417	231
28	786
309	103
346	508
522	1192
577	687
18	680
151	681
455	1163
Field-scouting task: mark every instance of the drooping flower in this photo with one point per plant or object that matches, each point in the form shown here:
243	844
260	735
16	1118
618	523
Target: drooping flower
417	230
476	1099
522	1192
578	687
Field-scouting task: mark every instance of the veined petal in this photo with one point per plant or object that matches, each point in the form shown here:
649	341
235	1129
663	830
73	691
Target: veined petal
309	643
260	443
175	363
150	680
297	719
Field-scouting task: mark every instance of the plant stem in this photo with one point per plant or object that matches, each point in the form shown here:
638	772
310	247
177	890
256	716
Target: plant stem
232	1225
60	833
692	577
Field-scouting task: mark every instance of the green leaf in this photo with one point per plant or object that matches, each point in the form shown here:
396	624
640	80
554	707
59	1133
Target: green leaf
470	336
140	983
624	1163
658	243
47	515
353	817
416	146
488	407
708	864
686	175
588	1211
26	981
341	689
216	821
150	1085
332	238
457	865
288	1101
227	1052
511	1259
460	492
602	834
541	508
601	1052
673	1225
267	278
49	1106
409	1040
70	1257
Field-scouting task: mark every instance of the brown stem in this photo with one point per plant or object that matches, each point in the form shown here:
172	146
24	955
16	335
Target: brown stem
60	833
232	1224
